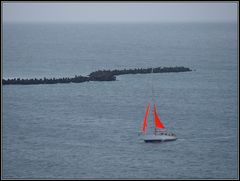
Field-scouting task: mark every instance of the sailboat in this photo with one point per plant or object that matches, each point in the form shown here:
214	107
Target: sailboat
160	132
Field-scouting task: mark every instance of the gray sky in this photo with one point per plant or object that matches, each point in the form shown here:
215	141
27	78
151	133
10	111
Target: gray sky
119	12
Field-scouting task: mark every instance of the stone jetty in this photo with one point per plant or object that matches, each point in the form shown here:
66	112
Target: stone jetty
100	75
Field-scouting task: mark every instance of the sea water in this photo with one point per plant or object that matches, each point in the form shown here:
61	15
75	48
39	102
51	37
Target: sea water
90	129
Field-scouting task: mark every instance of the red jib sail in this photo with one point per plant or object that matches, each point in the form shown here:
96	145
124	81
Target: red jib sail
145	119
158	123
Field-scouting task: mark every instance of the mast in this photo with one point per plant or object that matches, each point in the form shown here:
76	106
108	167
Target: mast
152	88
157	122
153	101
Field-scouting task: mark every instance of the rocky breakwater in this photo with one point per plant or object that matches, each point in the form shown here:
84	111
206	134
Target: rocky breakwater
100	75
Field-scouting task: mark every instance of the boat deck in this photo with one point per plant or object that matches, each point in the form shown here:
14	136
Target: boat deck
160	137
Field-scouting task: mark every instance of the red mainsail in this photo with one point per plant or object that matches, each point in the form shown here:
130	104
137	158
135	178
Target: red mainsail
145	119
158	123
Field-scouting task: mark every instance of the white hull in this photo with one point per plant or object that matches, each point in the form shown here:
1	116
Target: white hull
159	138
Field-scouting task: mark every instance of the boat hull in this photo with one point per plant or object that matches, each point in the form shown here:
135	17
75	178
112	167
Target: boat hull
159	138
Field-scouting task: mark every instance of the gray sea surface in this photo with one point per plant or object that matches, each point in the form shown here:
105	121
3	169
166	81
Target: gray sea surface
90	129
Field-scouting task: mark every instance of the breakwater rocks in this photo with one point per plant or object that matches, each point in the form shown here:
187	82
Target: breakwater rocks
100	75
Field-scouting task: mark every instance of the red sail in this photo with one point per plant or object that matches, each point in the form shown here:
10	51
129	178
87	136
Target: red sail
158	123
145	119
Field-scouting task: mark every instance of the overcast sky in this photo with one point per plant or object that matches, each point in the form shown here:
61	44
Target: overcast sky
119	12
